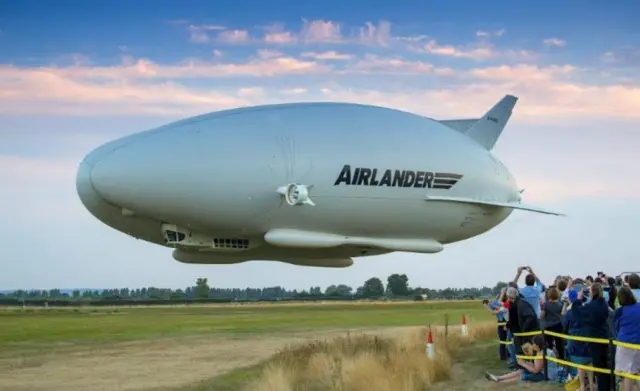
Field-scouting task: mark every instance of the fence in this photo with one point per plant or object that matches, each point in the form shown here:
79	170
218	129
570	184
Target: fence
611	342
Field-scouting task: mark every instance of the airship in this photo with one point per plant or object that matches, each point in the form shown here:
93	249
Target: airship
307	183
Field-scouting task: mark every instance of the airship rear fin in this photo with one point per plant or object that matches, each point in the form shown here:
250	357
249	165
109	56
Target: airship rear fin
487	129
512	205
461	125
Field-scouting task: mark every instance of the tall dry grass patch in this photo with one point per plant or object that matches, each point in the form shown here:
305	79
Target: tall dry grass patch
364	362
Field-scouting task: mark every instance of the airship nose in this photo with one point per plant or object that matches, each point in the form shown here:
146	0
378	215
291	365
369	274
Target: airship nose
87	194
89	187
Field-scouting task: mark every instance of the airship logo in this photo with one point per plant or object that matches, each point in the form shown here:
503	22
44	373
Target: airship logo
363	176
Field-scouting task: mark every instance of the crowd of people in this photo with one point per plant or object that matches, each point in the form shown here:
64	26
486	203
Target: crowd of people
603	307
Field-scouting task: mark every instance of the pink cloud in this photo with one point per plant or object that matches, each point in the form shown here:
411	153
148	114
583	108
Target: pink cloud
476	53
294	91
141	86
522	72
557	42
380	34
329	55
233	36
376	64
280	37
488	34
321	31
200	33
275	64
479	51
59	94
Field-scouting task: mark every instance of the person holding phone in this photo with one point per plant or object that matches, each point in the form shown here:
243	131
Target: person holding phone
533	289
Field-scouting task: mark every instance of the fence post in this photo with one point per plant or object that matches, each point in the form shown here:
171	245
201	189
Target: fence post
446	325
545	365
612	364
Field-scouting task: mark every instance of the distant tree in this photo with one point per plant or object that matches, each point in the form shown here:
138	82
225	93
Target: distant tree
315	291
447	293
496	289
373	287
202	288
398	284
338	290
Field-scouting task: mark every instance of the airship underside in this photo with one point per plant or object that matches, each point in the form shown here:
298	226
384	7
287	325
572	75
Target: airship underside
311	184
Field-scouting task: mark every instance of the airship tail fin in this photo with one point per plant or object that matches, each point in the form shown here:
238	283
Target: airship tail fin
461	125
487	129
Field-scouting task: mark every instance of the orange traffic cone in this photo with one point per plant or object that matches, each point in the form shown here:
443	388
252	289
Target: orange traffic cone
430	350
464	328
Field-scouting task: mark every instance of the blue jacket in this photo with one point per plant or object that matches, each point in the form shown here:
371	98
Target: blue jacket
532	295
494	305
594	315
625	321
575	326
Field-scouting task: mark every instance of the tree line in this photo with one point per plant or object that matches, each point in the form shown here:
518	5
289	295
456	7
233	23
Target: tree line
397	286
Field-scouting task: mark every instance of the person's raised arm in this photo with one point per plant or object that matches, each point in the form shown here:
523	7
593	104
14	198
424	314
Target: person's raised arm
518	274
538	282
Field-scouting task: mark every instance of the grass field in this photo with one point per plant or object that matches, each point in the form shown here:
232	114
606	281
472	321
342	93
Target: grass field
143	348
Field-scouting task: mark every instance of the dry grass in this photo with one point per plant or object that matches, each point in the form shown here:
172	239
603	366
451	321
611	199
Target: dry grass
359	362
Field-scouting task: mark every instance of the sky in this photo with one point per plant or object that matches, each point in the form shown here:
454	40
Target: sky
76	74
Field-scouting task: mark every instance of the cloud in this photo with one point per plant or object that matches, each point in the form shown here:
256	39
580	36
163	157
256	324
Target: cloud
266	63
480	50
475	53
318	31
280	37
321	31
142	86
200	33
250	92
623	56
376	64
277	35
546	98
554	42
58	92
294	91
487	34
203	34
233	36
372	34
522	72
330	55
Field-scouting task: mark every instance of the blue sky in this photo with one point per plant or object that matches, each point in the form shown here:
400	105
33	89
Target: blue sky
76	74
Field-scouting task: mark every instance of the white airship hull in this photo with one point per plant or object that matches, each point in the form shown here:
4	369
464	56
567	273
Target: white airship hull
369	181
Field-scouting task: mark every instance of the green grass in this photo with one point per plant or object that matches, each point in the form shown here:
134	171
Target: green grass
231	381
95	325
